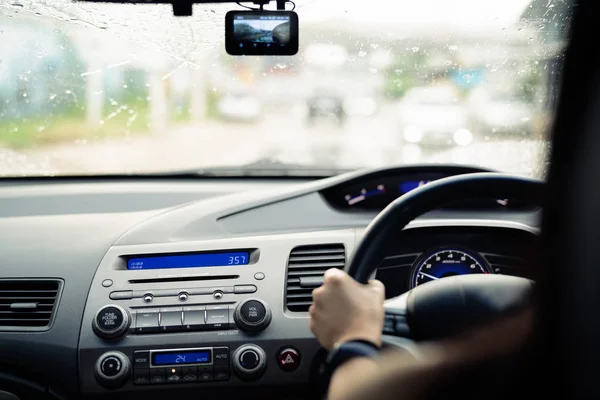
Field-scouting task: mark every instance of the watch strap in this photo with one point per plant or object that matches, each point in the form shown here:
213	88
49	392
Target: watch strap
346	351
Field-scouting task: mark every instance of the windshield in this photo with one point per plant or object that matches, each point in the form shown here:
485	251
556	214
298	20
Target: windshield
89	88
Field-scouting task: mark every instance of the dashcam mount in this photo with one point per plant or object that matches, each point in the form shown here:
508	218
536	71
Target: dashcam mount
183	8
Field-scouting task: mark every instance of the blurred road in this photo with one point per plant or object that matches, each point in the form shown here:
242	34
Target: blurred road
359	142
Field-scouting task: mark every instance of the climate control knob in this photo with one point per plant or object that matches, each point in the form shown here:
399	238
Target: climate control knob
111	322
112	369
249	362
252	315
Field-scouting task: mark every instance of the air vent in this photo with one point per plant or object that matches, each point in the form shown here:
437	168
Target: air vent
506	265
306	267
27	304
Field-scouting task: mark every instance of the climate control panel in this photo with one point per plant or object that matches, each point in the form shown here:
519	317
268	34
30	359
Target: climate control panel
204	364
113	369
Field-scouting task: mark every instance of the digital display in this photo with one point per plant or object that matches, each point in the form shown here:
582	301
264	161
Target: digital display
189	260
407	186
261	33
183	357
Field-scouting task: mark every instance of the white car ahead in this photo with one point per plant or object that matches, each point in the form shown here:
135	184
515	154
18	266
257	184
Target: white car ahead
434	117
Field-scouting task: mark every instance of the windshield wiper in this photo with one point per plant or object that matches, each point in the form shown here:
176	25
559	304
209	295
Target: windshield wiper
264	167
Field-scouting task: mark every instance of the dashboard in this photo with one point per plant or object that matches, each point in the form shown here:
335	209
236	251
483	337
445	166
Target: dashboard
375	191
154	287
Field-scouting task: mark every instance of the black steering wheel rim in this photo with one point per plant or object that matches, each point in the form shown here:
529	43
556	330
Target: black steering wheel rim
427	198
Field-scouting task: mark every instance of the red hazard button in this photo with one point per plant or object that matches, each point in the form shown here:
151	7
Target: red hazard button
289	359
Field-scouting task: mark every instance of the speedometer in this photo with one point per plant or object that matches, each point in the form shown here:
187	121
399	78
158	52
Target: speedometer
442	263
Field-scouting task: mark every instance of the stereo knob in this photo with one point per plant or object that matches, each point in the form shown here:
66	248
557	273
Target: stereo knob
112	369
252	315
111	322
249	362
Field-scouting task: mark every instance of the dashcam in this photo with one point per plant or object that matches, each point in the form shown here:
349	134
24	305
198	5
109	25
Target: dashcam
261	33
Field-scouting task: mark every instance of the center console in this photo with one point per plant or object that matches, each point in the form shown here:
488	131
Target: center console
195	315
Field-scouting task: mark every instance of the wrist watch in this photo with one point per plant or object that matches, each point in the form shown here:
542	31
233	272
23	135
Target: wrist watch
345	351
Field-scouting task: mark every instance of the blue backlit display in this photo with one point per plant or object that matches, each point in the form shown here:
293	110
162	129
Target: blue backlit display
190	260
183	357
407	186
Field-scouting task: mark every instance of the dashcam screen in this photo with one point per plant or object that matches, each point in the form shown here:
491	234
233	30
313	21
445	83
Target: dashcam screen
262	30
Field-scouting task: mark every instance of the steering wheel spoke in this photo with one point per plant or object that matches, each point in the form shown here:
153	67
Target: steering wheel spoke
395	322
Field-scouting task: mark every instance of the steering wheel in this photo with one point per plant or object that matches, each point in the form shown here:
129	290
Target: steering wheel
444	307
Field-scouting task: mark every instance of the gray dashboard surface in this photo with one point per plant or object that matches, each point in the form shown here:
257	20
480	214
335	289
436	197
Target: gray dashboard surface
77	196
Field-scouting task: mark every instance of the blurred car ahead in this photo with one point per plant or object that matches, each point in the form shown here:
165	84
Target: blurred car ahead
497	113
328	106
434	117
239	106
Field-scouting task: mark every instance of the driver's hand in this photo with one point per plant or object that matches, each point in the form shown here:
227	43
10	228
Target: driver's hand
344	309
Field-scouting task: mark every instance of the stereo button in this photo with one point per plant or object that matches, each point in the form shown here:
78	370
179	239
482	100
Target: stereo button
111	322
252	315
148	298
243	289
253	311
224	289
110	318
217	317
121	295
146	322
170	319
194	318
